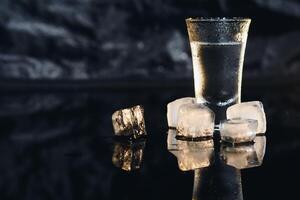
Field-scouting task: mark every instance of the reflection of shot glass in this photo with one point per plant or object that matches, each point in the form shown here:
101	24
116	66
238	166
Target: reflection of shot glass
218	47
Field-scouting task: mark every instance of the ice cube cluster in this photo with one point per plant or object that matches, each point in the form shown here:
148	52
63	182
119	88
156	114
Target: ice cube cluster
193	120
244	121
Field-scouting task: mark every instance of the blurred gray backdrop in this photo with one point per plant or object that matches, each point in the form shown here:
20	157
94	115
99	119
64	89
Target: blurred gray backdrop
138	39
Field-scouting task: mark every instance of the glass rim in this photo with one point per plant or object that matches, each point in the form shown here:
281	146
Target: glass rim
218	19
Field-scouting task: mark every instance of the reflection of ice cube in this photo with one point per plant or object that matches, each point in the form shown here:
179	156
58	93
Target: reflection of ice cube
195	120
249	110
129	122
194	155
128	156
260	147
173	107
190	154
195	158
172	141
244	156
238	130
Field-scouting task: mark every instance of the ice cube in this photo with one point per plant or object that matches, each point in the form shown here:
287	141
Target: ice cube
238	130
128	156
195	120
129	122
249	110
172	109
244	156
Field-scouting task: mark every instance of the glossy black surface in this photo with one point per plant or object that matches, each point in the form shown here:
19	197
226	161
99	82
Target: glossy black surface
60	146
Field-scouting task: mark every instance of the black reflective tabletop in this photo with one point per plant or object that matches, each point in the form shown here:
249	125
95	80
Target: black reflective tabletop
60	145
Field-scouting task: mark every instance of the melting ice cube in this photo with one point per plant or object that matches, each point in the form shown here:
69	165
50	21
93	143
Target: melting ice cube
249	110
238	130
195	120
172	109
129	122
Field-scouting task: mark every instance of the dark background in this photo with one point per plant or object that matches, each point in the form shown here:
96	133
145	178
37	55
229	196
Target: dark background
66	66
